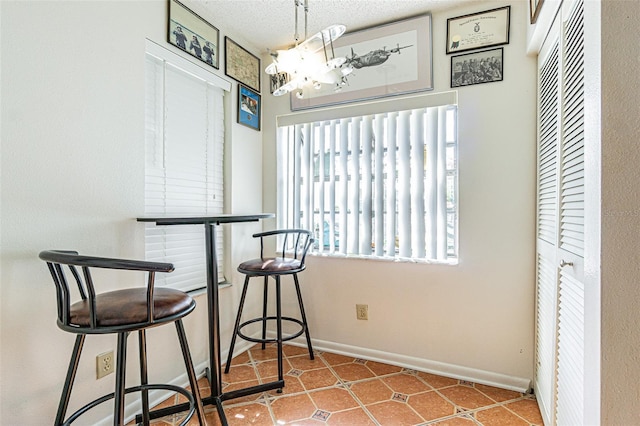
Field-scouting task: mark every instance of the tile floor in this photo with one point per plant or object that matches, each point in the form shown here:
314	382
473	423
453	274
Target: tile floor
340	390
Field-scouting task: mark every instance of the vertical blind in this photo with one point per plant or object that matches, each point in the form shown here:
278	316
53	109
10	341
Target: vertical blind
184	137
378	185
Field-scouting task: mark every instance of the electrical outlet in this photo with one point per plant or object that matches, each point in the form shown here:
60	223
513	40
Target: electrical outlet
362	312
104	364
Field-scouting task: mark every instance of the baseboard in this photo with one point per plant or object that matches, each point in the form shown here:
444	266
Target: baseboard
490	378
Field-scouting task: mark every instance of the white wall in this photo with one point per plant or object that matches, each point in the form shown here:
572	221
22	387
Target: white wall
620	209
475	319
72	174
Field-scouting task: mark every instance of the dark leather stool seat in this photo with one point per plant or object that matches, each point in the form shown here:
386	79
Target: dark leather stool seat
290	261
119	312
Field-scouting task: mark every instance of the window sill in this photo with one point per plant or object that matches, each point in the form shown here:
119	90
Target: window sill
449	262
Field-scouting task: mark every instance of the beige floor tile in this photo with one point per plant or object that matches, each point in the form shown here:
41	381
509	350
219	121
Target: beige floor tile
380	369
431	406
437	382
289	350
499	416
455	421
392	413
292	408
405	383
240	373
354	417
371	391
336	359
353	372
497	394
526	408
302	362
316	379
466	397
333	399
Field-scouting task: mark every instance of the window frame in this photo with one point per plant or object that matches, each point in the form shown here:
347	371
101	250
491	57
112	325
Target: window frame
286	218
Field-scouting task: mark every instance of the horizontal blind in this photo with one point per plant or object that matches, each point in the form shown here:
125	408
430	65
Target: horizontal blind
381	185
184	168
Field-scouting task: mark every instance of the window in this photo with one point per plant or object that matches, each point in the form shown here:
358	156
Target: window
380	185
184	145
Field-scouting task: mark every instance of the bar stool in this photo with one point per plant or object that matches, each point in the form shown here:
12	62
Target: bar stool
295	243
121	312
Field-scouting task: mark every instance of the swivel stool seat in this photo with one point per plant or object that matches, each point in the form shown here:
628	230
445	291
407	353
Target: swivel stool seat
119	312
290	260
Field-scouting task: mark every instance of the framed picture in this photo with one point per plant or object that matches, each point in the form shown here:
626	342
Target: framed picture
387	60
478	30
249	105
241	65
193	34
534	9
476	68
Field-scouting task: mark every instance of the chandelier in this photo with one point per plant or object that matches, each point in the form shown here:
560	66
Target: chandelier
309	63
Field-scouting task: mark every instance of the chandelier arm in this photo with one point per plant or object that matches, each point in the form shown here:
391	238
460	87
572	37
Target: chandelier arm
296	34
306	12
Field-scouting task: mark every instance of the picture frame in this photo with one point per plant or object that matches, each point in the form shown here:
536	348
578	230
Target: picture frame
472	68
249	107
193	35
534	10
478	30
388	60
241	65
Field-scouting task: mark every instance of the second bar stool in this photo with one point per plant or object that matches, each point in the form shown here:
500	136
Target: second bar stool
288	261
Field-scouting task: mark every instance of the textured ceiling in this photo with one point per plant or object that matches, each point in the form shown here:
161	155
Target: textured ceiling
269	24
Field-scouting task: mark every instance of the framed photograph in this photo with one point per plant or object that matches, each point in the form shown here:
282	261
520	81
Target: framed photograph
241	65
534	9
387	60
476	68
192	34
478	30
248	107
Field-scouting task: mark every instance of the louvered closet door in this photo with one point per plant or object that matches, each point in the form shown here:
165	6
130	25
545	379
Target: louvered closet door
570	369
559	382
547	232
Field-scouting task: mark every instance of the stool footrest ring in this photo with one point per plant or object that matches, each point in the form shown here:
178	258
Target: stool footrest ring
140	388
261	319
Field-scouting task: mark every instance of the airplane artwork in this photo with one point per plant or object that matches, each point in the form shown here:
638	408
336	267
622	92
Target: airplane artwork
373	58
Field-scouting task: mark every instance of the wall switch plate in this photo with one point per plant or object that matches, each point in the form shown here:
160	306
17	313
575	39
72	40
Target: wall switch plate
104	364
362	312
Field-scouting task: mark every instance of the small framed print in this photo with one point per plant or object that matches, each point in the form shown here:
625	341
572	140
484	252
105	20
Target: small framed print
192	34
476	68
249	105
241	65
478	30
534	10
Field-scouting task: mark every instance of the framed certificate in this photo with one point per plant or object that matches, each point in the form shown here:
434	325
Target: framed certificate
478	30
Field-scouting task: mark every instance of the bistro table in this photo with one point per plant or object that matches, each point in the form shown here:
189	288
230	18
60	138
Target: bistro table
214	372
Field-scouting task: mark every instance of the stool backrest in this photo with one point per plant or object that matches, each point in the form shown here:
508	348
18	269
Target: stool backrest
295	242
57	260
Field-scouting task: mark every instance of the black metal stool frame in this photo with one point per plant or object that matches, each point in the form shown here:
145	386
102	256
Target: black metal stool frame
55	261
275	267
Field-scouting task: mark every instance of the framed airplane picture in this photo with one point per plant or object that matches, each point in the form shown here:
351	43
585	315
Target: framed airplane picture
387	60
248	107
